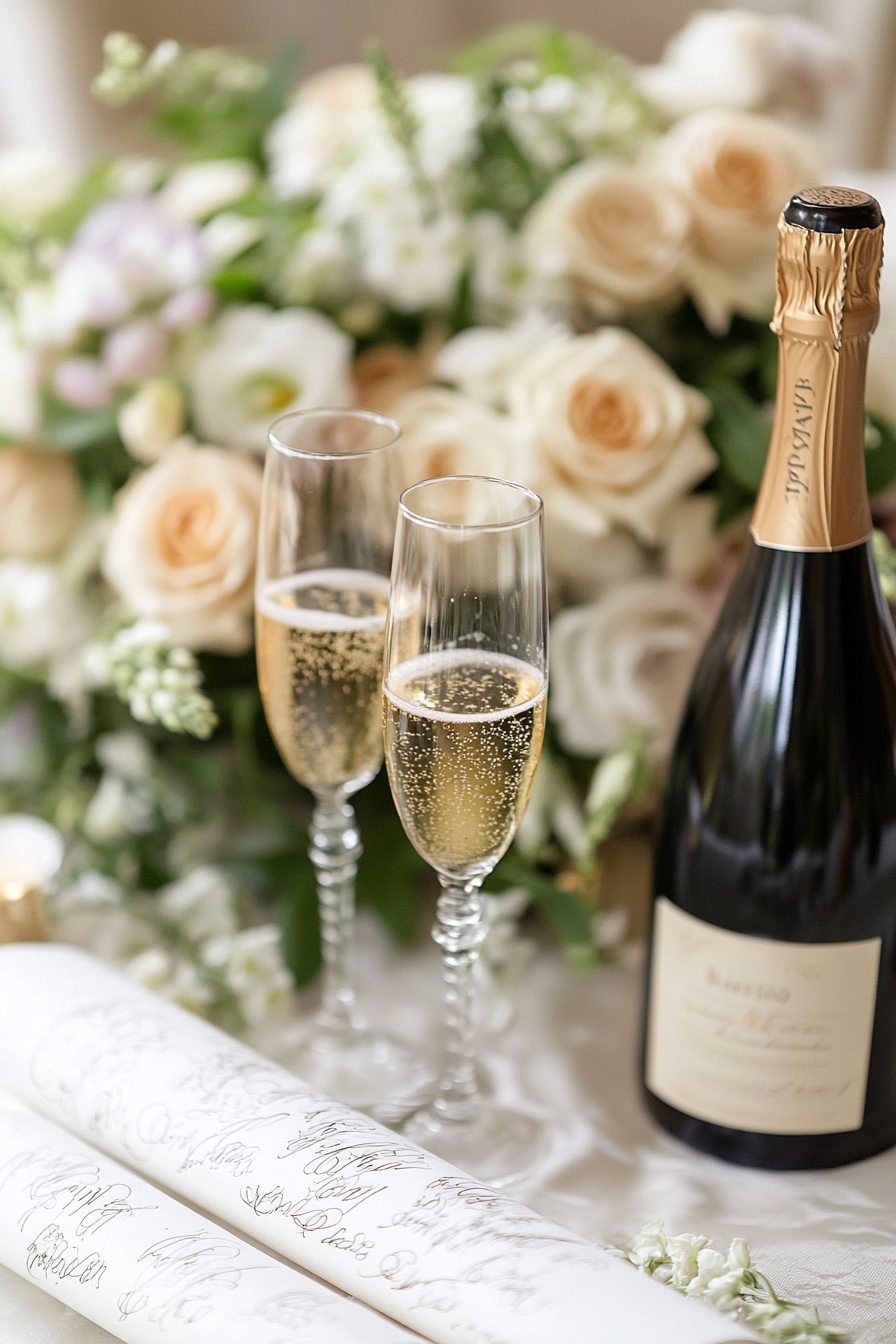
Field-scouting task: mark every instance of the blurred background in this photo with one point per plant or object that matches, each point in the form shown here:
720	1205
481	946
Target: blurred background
50	51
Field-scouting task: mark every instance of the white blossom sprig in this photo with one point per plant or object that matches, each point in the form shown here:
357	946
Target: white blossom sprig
730	1283
159	684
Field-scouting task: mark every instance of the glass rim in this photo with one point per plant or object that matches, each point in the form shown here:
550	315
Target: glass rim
420	518
328	413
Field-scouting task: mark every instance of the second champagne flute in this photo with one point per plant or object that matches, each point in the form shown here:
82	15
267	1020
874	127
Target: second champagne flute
465	691
325	546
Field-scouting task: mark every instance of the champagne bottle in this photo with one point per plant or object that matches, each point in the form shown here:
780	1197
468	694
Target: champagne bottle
770	1025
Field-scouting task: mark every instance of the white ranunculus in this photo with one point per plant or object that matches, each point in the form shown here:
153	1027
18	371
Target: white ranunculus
735	171
182	545
719	59
41	619
446	434
19	406
260	364
617	436
447	112
152	419
33	182
617	232
624	664
197	190
41	503
481	361
305	143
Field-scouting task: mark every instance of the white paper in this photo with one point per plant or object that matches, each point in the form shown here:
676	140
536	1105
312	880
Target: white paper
135	1261
330	1189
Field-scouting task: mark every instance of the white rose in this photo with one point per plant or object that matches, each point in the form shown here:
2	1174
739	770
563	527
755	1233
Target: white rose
182	545
260	364
446	434
19	406
482	360
719	59
41	503
41	619
197	190
624	664
616	434
152	419
736	172
617	232
307	140
33	182
581	567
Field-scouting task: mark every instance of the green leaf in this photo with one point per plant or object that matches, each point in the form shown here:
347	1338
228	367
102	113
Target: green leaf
73	429
739	432
91	190
733	500
390	870
296	913
880	453
556	51
568	915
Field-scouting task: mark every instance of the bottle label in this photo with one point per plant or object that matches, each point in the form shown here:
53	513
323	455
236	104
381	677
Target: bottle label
759	1035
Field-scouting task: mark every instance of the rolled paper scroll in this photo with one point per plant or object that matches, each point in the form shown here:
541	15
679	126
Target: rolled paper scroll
332	1190
135	1261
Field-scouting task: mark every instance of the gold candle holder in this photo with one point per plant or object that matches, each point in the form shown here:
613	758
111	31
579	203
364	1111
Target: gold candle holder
30	856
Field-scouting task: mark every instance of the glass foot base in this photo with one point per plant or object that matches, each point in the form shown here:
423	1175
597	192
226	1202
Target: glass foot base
498	1147
370	1072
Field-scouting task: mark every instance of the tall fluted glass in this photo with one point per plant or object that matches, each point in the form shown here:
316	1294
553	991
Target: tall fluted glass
465	690
328	513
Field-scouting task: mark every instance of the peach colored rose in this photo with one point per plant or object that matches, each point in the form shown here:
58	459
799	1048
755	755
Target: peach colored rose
618	233
617	436
182	545
736	171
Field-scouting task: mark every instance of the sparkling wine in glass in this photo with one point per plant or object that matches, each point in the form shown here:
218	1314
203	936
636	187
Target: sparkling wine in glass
328	512
464	709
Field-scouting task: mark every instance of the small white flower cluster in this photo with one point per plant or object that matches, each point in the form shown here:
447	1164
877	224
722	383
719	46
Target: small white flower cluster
129	71
730	1283
159	684
184	942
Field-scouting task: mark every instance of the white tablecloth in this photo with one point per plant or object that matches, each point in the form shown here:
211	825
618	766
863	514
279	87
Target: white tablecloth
827	1238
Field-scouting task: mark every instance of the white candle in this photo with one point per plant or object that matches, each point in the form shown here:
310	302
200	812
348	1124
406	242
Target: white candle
30	855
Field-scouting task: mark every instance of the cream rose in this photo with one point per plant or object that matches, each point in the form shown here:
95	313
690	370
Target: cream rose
182	545
41	503
736	172
446	434
624	663
617	232
617	436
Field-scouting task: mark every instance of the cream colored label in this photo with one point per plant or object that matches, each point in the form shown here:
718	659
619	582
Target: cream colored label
759	1035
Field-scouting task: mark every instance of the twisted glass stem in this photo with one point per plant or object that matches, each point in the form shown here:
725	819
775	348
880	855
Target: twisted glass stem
460	933
335	851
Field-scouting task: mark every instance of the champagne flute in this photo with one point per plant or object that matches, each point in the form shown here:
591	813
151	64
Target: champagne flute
464	709
329	502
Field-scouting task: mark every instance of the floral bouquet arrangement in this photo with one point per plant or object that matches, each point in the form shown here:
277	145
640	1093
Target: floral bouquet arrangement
548	266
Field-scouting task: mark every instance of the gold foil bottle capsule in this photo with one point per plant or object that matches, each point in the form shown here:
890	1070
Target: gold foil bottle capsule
813	495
